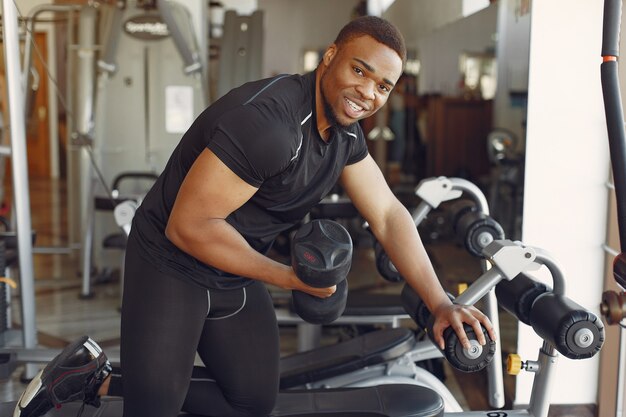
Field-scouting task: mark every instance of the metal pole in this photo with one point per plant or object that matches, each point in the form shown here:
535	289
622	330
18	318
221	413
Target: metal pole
83	124
19	169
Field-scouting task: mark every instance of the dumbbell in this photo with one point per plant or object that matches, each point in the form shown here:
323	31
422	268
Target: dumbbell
473	359
321	256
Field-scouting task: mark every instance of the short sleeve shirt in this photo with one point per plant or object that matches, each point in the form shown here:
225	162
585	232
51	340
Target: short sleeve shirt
266	133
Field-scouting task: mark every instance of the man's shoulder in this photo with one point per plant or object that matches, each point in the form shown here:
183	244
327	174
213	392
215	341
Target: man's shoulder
284	98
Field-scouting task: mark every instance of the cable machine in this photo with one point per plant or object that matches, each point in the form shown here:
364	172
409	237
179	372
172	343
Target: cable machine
81	106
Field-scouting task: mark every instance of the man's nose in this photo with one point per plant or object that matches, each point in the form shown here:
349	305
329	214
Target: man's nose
366	89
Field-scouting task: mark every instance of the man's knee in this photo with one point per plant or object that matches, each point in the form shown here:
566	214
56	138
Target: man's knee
256	405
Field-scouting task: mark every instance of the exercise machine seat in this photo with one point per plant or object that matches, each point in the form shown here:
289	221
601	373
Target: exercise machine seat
382	401
325	362
365	304
401	400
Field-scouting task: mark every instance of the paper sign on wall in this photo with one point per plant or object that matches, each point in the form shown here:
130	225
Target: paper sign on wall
178	108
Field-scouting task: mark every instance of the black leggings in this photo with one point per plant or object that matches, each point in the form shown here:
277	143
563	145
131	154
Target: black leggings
165	321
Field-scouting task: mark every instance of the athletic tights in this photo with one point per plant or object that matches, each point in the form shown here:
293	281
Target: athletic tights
165	321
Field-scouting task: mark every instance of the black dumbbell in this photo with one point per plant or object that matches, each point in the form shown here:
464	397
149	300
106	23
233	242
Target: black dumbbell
321	256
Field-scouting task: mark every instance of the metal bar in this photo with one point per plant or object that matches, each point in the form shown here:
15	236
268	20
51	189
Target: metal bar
52	250
540	395
28	44
84	114
191	58
479	288
494	368
420	212
19	167
473	190
112	34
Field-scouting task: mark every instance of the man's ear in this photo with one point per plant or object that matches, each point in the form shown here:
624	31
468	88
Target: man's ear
330	53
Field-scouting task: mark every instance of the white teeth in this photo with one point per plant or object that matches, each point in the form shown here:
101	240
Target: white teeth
354	106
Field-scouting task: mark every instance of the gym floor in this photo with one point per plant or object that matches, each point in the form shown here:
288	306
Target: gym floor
63	316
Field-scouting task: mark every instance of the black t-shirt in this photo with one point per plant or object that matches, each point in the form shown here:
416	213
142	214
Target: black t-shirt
266	133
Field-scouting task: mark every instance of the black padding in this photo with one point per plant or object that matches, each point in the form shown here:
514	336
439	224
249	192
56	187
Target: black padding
384	400
557	319
385	267
318	310
453	350
366	350
415	307
460	208
321	253
115	241
472	227
518	295
368	304
457	356
10	238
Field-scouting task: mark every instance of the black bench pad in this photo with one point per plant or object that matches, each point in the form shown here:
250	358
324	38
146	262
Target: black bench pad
328	361
381	401
367	304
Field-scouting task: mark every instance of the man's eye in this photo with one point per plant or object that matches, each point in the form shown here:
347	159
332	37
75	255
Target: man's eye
358	70
384	88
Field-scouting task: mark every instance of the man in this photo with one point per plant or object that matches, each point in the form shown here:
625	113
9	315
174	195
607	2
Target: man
252	165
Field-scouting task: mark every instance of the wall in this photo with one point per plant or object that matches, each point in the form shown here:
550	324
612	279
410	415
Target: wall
418	18
565	202
439	50
292	26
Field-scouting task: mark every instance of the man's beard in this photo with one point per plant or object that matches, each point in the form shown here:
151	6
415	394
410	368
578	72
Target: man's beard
330	114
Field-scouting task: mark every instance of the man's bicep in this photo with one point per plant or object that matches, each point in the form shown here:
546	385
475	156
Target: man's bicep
367	188
210	190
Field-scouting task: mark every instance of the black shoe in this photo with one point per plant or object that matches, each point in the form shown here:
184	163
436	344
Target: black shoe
75	374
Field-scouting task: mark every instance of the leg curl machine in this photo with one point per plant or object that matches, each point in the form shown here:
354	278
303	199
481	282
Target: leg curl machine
389	356
564	326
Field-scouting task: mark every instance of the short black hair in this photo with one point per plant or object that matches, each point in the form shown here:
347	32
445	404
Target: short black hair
376	27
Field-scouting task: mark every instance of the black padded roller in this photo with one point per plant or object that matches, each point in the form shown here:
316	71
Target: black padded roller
518	295
575	332
460	208
385	267
415	307
476	230
467	360
472	360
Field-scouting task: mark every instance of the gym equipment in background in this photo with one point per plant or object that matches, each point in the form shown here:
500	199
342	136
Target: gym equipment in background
136	96
127	187
506	182
476	229
241	51
613	305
